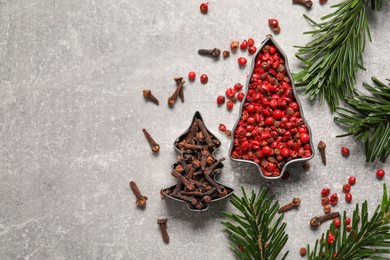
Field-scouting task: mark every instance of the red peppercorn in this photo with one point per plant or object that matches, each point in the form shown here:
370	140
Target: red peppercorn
220	100
345	151
191	76
294	106
234	45
251	42
272	49
273	22
244	45
334	199
204	7
230	92
240	96
304	137
352	180
204	78
331	238
285	152
325	191
347	221
347	187
348	197
277	114
222	127
380	174
323	1
241	61
252	50
336	222
238	86
266	150
324	201
229	105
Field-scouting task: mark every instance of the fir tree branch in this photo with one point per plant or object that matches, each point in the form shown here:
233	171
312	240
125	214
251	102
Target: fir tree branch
256	232
369	238
332	59
368	119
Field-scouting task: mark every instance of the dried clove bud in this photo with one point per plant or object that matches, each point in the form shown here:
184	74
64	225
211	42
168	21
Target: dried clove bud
321	147
215	53
307	3
317	221
294	204
163	228
149	96
140	199
153	145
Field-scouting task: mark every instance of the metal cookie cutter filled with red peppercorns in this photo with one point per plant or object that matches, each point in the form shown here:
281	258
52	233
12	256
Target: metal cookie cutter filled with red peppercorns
271	131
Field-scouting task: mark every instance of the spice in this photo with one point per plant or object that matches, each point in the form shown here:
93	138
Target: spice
140	199
348	228
347	221
325	191
294	204
226	54
307	3
352	180
204	7
214	53
273	22
204	78
163	229
331	239
252	50
380	174
241	61
317	221
346	187
229	105
240	96
334	199
271	130
345	151
172	99
348	197
196	168
302	251
251	42
336	222
244	45
234	45
323	1
321	147
238	86
149	96
153	145
327	209
179	80
220	100
222	127
191	75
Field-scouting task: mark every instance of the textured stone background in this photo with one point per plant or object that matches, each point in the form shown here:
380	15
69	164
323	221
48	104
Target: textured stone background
71	114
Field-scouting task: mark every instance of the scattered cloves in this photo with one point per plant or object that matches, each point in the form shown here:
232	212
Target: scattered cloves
321	147
294	204
181	92
307	3
172	99
215	53
317	221
149	96
163	228
140	199
153	145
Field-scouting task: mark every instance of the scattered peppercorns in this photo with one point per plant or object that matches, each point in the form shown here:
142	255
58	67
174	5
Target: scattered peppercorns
347	221
242	61
222	127
348	197
346	187
352	180
204	8
204	78
220	100
244	45
274	24
380	174
336	222
234	45
191	75
345	151
333	199
302	251
229	105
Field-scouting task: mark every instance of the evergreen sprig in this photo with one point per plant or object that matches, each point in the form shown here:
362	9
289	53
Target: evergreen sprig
368	119
369	238
332	59
256	232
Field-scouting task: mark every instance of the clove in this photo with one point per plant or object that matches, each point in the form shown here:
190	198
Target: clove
153	145
140	199
294	204
149	96
214	53
181	92
307	3
321	147
172	99
163	228
205	132
189	185
317	221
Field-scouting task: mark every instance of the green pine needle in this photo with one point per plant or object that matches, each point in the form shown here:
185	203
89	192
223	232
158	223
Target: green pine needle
256	232
332	59
368	119
369	238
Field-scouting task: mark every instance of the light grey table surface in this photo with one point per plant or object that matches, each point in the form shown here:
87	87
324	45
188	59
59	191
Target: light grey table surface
71	107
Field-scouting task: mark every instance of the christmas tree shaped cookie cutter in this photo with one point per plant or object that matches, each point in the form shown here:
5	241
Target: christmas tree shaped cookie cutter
196	169
242	151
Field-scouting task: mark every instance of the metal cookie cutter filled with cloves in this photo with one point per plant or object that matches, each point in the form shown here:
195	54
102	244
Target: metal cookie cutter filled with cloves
197	168
271	132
